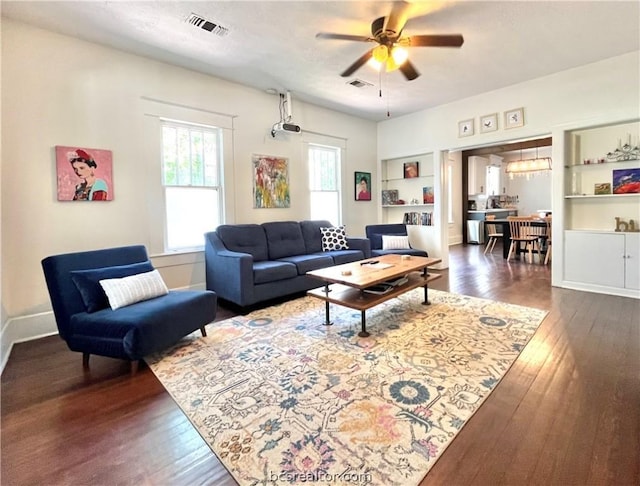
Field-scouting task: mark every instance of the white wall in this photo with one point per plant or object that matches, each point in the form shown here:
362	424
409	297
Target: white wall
58	90
607	91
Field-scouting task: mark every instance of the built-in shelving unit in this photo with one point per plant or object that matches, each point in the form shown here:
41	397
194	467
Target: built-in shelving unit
600	253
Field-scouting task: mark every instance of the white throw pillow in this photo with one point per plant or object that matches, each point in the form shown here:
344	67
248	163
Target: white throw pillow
334	238
136	288
393	242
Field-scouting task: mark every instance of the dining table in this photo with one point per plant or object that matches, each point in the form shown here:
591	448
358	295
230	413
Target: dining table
506	232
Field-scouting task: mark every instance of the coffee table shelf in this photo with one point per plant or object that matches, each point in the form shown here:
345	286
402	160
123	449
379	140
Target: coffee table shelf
346	284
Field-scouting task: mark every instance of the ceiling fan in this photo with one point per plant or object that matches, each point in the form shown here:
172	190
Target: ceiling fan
390	51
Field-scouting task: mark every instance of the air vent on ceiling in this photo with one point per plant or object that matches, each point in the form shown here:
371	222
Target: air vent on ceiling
359	83
198	21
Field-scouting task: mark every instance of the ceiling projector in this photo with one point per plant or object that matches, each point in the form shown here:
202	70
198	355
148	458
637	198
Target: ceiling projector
285	127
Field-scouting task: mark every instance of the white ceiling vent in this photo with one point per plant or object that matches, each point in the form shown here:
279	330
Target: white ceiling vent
198	21
359	83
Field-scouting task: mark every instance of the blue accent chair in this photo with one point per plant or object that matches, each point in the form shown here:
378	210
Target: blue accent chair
89	326
375	231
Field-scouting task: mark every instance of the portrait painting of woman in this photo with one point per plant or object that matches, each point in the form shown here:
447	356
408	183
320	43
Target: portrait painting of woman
84	174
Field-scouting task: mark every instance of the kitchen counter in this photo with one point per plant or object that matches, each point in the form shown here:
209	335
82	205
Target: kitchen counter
497	212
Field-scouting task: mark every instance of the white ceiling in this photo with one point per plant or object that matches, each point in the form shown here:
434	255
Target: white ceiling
273	44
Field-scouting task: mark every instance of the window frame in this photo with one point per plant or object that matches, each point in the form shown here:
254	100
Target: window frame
218	188
338	151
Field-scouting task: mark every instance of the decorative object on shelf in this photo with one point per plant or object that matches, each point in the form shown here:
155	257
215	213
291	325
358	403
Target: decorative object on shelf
389	197
528	167
465	128
363	186
411	170
84	174
427	195
624	152
575	184
489	123
626	227
626	181
602	188
514	118
270	181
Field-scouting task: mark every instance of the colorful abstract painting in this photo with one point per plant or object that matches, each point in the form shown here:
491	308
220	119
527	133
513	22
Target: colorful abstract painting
270	182
84	174
626	181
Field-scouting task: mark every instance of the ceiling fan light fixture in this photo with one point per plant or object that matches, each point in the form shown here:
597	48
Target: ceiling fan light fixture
399	55
380	54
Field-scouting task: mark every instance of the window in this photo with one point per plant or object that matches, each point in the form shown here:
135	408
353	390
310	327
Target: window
191	168
324	183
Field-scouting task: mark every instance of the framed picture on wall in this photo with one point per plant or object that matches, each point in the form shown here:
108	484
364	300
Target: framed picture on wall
363	186
270	181
465	128
514	118
84	174
489	123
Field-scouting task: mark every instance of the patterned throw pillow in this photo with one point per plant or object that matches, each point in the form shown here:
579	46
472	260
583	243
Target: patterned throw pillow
136	288
392	242
334	238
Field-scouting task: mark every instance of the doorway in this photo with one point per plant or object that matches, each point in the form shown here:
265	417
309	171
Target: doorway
486	151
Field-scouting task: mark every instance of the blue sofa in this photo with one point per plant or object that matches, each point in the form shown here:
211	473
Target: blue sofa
375	232
251	263
87	323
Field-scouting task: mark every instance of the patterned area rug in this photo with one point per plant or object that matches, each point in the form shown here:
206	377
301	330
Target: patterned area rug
281	398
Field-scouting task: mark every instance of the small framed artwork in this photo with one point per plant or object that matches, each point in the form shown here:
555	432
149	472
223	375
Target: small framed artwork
84	174
427	195
626	181
465	128
514	118
411	170
363	186
390	197
489	123
602	188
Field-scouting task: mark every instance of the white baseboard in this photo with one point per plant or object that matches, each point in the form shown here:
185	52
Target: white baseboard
26	328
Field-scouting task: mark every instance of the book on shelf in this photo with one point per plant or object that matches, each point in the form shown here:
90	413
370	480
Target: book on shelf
421	219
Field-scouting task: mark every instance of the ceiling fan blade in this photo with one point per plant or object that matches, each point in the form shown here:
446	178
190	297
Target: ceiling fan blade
398	17
448	40
329	35
358	64
409	70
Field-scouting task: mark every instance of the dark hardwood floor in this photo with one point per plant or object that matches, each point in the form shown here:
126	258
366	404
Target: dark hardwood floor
566	413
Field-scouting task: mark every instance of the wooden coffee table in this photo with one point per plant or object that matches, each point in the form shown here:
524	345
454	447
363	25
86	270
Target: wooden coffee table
345	284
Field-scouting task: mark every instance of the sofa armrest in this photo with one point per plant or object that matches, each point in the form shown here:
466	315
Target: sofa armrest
228	273
363	244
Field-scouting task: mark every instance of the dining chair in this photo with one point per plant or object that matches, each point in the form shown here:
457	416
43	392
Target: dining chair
492	233
522	232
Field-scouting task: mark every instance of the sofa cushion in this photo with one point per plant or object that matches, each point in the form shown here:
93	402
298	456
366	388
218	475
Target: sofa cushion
306	263
334	238
272	271
284	238
88	282
312	235
345	256
395	242
145	327
125	291
245	238
411	251
376	239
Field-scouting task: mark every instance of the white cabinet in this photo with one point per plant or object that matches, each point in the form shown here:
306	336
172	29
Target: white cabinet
595	208
602	261
477	174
